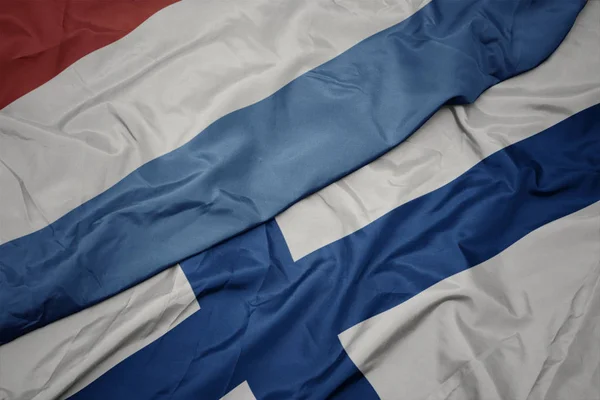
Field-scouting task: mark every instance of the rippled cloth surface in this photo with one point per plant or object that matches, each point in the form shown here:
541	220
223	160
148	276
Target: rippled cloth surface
253	163
42	38
462	264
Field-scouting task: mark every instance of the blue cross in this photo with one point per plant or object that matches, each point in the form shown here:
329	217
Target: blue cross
274	323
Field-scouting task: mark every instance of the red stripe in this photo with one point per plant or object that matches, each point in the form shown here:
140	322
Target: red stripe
40	38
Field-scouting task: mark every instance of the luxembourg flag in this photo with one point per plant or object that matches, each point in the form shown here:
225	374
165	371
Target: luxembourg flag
300	199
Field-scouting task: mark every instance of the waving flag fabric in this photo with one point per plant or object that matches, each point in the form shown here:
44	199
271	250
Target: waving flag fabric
273	200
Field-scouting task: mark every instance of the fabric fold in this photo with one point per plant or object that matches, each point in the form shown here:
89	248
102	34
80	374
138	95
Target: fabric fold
253	163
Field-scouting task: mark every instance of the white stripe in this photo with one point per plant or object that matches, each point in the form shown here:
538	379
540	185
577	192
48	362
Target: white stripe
500	330
241	392
158	87
454	140
61	358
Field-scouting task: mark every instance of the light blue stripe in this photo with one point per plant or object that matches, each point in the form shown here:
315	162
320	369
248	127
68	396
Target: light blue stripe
253	163
275	323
